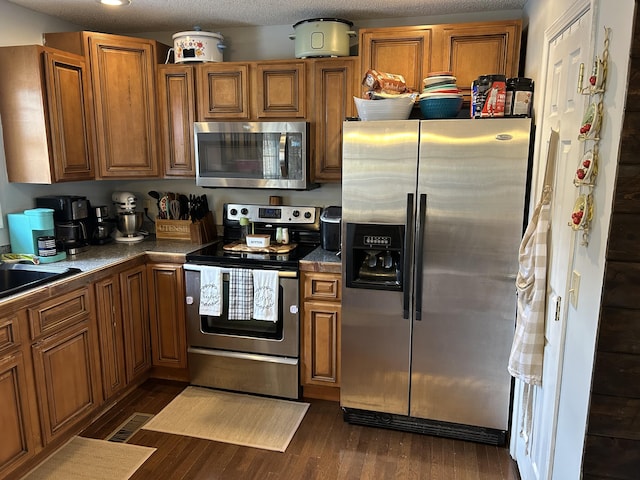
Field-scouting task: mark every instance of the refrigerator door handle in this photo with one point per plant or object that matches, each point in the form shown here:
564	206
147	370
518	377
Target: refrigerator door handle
422	212
408	241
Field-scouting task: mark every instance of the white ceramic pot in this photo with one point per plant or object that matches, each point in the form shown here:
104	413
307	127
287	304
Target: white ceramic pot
322	37
197	46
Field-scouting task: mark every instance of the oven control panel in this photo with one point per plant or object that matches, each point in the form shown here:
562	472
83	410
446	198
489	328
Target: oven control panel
272	213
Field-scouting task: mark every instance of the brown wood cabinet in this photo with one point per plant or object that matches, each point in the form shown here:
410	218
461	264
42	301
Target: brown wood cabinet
135	311
123	325
18	409
111	334
167	308
321	297
333	82
66	363
404	51
124	95
251	90
176	111
466	49
46	114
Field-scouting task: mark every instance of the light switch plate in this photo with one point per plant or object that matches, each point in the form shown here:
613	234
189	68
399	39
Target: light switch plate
574	290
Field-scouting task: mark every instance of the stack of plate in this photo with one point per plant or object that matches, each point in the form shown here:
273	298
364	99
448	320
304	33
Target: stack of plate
441	97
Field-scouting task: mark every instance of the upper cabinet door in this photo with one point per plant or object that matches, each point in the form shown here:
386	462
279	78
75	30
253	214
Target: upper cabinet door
176	110
477	49
46	115
70	116
402	51
123	74
280	89
223	91
334	83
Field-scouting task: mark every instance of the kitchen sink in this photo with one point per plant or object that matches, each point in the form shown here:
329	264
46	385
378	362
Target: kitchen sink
18	277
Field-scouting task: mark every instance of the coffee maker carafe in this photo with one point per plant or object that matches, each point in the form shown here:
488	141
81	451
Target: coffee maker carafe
71	218
102	225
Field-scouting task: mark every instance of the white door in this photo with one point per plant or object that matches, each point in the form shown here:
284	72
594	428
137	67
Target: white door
563	109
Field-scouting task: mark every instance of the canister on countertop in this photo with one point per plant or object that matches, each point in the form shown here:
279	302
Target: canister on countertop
47	246
519	97
488	96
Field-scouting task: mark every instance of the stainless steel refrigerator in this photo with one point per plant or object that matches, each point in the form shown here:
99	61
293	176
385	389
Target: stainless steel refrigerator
432	217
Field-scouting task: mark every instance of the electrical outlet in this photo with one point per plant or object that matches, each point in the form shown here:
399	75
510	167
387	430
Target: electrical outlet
574	289
147	204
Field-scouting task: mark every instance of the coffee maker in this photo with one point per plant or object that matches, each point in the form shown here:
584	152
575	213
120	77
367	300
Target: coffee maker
29	230
102	225
71	219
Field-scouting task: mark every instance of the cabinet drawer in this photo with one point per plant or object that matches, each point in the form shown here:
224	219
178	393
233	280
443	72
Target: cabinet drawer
9	332
58	313
322	286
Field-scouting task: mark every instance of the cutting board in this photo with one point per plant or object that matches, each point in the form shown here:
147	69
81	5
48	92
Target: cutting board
273	248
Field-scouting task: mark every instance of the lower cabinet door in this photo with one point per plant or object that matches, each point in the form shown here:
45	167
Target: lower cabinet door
135	311
17	443
67	379
321	338
167	308
111	335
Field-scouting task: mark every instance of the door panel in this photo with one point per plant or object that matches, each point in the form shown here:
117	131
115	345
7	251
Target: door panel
475	201
562	111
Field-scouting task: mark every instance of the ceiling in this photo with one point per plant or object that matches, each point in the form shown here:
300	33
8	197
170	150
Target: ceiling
181	15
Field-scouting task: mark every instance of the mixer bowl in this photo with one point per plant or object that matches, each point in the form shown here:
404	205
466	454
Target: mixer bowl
129	223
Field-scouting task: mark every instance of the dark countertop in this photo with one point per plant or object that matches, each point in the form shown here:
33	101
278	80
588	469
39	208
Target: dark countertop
321	260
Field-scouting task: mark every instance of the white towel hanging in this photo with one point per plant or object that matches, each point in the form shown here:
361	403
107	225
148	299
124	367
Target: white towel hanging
265	295
210	291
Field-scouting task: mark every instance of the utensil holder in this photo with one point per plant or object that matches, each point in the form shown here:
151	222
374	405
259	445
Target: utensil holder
200	231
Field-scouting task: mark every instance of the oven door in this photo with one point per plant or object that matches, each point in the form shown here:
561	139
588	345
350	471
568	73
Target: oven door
248	356
279	338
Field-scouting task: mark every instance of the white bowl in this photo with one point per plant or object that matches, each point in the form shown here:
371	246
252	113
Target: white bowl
387	109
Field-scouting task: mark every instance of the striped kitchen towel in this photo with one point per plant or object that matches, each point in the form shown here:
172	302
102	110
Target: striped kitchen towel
240	294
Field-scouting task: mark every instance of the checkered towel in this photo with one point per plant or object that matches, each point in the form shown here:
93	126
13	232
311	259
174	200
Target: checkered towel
525	361
527	350
240	294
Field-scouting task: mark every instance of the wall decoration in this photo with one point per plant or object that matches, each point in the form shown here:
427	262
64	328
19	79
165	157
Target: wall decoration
587	168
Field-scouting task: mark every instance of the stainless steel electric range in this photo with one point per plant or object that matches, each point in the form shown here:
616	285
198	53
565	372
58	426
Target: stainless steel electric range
250	355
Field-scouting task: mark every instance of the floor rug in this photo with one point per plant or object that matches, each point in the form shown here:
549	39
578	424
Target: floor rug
240	419
90	459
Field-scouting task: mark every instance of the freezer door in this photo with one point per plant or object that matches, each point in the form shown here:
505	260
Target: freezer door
379	164
472	178
378	186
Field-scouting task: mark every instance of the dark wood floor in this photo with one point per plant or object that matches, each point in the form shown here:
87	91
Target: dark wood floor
324	447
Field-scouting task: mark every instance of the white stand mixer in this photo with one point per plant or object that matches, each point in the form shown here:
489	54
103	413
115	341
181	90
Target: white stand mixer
129	221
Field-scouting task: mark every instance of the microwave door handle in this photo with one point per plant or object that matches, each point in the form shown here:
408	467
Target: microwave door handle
282	154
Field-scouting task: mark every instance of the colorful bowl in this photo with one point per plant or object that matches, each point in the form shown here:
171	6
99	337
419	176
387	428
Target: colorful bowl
444	106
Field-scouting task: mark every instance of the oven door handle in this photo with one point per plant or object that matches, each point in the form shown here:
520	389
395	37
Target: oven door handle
198	268
244	356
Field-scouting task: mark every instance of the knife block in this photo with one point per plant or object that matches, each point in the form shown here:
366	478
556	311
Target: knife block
200	231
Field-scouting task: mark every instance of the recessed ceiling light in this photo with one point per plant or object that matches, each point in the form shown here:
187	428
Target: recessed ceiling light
116	3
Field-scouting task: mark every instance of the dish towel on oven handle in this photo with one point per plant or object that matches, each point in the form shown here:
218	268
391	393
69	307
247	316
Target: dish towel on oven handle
210	291
265	295
240	294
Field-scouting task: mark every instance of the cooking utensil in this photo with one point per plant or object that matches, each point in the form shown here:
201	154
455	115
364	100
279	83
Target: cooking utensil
163	206
174	209
184	207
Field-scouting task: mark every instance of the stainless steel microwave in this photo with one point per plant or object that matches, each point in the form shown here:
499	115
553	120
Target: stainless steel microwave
252	155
